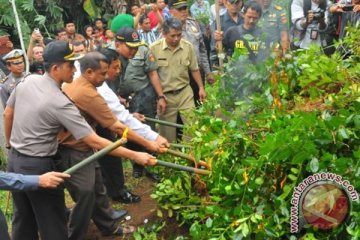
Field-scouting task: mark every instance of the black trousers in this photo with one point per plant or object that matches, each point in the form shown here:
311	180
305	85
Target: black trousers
111	167
144	102
4	234
41	211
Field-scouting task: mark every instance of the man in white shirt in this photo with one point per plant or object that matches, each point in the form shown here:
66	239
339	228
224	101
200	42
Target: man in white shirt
112	167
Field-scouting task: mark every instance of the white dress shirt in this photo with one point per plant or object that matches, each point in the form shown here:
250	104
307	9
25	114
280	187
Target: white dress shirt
123	115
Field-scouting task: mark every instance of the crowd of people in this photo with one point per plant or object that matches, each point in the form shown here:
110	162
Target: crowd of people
85	89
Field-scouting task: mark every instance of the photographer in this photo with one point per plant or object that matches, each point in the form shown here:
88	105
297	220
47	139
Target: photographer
350	13
35	51
310	20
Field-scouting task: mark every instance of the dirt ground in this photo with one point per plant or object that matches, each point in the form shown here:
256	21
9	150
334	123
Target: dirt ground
146	209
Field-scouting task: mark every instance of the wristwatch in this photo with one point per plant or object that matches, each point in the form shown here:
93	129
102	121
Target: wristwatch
160	97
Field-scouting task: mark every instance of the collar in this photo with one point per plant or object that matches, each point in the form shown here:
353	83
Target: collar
227	17
165	46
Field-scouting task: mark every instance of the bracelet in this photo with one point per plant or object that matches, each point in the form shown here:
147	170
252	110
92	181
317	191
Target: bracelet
161	97
7	146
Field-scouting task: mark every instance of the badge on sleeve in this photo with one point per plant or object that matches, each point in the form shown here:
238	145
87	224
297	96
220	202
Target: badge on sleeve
151	57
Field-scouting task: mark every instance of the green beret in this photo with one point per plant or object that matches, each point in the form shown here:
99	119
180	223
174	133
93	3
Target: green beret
120	21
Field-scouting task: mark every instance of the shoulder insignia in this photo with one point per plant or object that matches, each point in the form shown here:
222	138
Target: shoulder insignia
194	29
4	79
277	7
151	57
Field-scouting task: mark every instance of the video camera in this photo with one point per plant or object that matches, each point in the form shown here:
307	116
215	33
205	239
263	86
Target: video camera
319	14
348	8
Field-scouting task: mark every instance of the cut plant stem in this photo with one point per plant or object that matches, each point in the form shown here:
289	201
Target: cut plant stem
164	122
182	168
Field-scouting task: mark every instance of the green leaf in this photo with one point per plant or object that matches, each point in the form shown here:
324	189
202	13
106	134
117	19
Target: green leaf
209	222
40	19
245	229
159	213
259	180
314	165
292	177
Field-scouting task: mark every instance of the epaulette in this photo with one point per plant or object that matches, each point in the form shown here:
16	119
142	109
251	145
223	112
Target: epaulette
4	79
277	7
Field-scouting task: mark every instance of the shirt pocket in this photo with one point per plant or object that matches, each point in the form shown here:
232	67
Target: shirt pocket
185	62
162	63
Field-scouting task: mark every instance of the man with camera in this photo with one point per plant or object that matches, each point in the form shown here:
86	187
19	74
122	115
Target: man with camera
350	14
310	20
35	52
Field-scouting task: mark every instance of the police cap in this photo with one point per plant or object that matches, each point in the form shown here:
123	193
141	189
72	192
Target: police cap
60	51
14	57
129	36
177	3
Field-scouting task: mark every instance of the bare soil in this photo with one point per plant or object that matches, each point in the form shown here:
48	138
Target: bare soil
146	210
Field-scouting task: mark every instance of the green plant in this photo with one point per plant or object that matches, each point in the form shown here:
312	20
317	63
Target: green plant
295	117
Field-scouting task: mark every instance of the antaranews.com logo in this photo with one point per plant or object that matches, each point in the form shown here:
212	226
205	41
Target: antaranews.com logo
322	200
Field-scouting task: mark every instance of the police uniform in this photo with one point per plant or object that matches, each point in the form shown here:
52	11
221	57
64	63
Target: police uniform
8	83
273	22
174	66
40	111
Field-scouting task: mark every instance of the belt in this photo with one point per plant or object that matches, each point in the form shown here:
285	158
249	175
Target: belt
175	92
28	156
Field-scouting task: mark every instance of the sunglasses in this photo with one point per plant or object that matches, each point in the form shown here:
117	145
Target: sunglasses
182	8
16	63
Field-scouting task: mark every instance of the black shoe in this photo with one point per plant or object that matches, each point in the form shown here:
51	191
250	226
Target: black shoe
137	173
153	176
126	196
118	214
120	231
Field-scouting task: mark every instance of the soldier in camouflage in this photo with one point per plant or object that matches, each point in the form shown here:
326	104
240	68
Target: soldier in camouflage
274	23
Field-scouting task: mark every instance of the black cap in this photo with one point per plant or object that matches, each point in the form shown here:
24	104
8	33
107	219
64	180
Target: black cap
177	3
129	36
60	51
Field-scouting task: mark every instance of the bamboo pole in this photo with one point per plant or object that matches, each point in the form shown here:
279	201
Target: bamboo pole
164	122
188	157
20	35
96	156
219	44
176	145
182	168
99	154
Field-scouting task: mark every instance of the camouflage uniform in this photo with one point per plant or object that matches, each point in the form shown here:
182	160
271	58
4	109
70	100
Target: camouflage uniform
273	22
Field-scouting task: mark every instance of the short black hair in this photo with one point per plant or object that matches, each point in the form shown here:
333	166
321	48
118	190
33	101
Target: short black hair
98	19
142	18
110	54
92	60
254	6
172	23
59	30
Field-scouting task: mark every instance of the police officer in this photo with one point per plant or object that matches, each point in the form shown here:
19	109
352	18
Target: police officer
274	24
15	63
34	115
192	33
